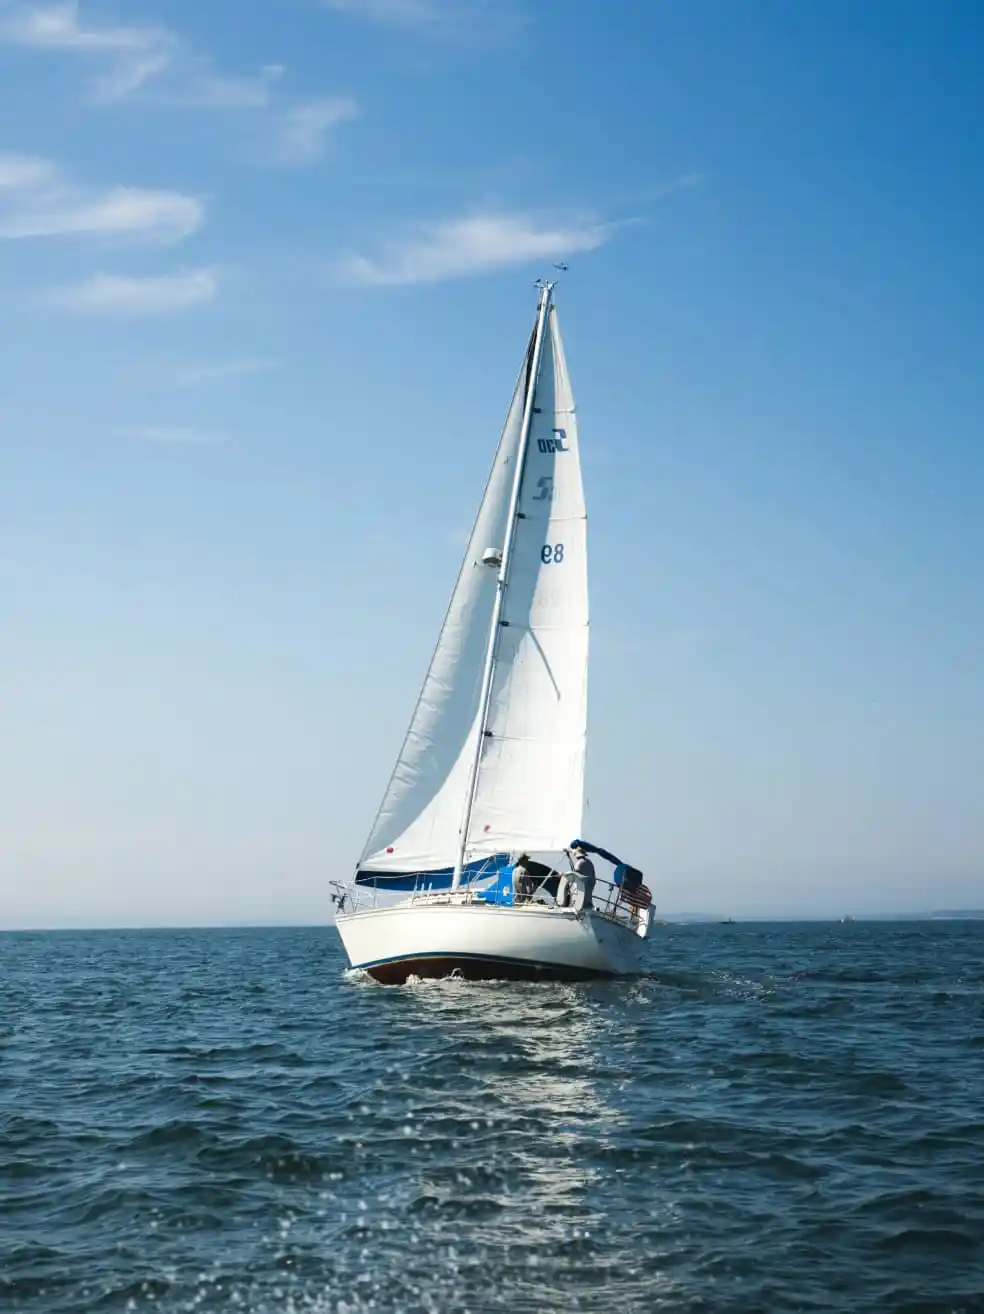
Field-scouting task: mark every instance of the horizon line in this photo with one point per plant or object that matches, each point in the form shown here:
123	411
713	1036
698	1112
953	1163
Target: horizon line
685	918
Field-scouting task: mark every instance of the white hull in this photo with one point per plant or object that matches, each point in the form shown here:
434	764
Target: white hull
486	942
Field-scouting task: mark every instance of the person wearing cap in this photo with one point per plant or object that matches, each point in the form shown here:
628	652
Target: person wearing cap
584	874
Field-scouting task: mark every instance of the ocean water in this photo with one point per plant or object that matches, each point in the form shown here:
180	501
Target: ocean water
779	1118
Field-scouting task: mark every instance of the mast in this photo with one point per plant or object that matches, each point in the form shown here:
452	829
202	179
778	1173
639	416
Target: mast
546	292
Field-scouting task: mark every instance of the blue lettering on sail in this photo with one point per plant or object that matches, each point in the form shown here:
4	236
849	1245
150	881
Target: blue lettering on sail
556	444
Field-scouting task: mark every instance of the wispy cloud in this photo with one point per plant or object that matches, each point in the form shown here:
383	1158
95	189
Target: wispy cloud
200	89
24	173
475	244
443	18
130	55
37	200
639	197
122	297
192	376
151	64
684	183
132	59
170	434
303	131
401	13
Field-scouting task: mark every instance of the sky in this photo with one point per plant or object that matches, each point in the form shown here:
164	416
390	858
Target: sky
266	278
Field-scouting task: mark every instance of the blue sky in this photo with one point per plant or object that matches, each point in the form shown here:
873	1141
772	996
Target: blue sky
265	280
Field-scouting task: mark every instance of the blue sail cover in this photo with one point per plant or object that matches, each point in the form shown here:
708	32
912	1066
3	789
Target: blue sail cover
501	891
432	880
593	848
625	875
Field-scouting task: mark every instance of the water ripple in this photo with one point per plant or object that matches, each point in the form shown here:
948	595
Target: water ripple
775	1118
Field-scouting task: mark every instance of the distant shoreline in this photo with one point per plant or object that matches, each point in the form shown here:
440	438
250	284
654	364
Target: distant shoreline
940	915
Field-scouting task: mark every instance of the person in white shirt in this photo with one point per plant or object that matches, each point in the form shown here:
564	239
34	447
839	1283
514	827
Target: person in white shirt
584	874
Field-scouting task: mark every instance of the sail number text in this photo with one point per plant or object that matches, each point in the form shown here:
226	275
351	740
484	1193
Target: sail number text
552	554
558	443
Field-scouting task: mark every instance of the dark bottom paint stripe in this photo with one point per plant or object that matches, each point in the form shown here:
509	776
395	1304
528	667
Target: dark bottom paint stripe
476	968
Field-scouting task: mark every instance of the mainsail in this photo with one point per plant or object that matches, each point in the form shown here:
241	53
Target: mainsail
515	775
530	788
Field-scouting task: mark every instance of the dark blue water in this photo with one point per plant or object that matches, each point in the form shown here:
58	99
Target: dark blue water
782	1118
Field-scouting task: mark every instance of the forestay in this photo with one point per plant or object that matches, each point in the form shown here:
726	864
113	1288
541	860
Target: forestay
418	823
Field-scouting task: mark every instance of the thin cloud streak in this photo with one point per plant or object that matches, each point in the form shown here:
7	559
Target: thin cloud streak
457	19
684	183
205	90
304	131
117	296
135	54
476	244
136	59
36	200
192	376
638	197
171	434
24	173
398	13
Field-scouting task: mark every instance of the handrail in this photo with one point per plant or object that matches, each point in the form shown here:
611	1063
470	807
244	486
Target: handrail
609	900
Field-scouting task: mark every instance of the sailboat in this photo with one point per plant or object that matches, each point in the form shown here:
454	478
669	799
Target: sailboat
484	806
